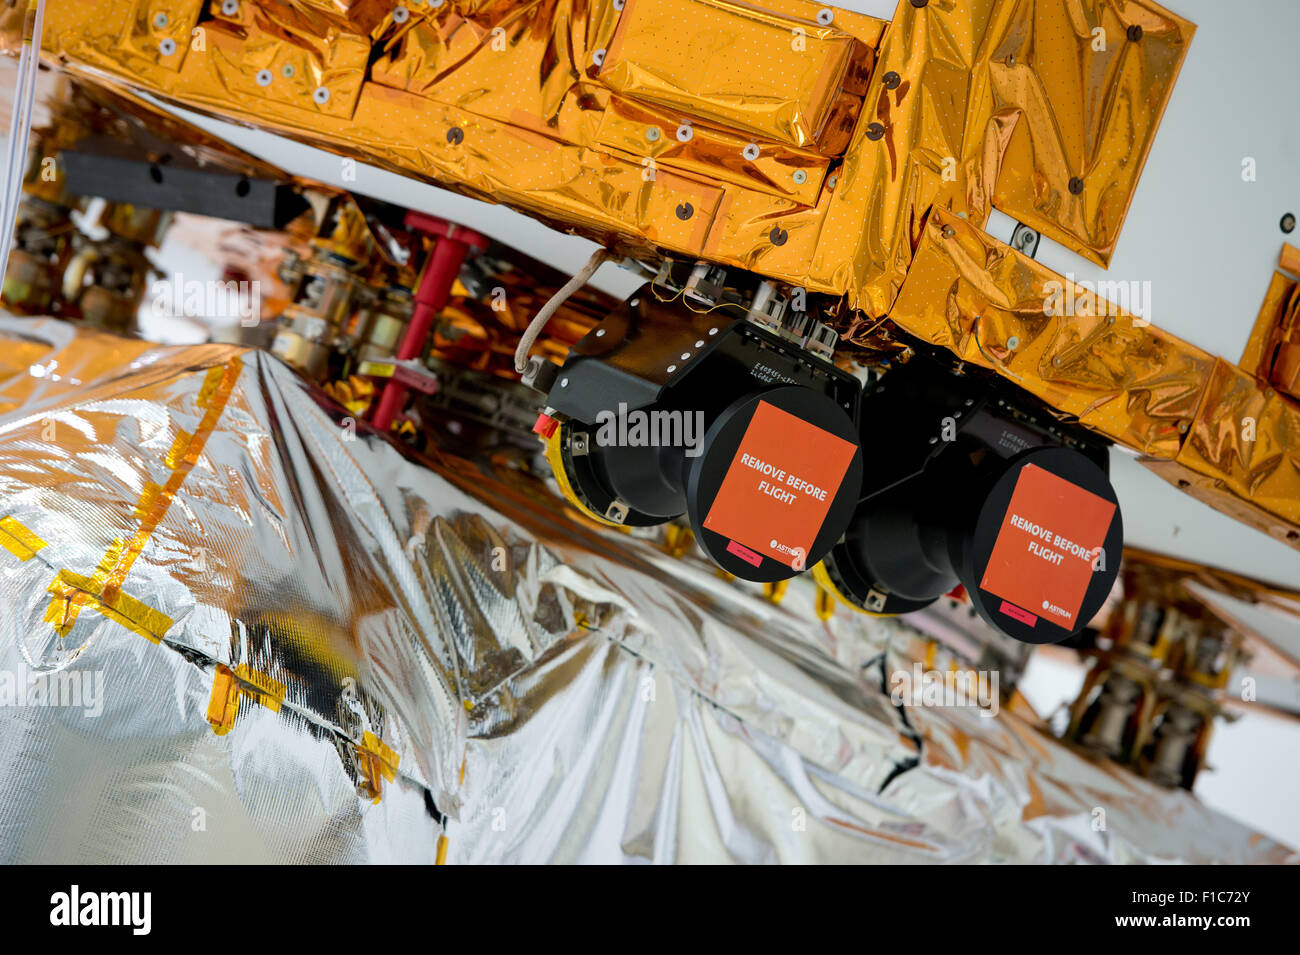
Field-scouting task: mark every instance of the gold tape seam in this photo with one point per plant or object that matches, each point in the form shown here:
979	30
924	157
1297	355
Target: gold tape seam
122	608
105	586
18	540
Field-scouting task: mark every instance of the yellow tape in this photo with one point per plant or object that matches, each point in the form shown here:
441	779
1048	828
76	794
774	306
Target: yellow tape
229	685
74	591
18	540
378	762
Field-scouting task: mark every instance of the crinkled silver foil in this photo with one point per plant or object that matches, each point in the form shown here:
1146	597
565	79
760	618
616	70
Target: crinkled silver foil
561	693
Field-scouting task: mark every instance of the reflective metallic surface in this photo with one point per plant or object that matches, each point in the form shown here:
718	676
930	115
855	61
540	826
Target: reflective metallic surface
191	531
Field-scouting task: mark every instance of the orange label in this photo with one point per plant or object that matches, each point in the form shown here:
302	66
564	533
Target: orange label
780	485
1043	557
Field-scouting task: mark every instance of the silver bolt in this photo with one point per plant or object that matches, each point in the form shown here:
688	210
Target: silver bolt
713	331
321	95
600	333
825	15
671	369
287	71
167	47
401	14
160	20
800	177
564	382
750	152
1013	342
686	356
685	133
263	78
229	7
652	134
699	344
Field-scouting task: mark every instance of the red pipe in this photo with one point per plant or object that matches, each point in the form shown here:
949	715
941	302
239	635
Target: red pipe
451	244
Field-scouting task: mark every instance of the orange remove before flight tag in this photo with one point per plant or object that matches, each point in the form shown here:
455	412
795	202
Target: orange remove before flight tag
782	481
1042	560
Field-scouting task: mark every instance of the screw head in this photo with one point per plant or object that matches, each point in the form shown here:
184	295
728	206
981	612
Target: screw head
263	78
1134	33
1076	185
401	14
825	15
799	177
750	152
685	210
455	135
778	236
892	80
875	131
1013	342
685	133
167	47
321	95
229	7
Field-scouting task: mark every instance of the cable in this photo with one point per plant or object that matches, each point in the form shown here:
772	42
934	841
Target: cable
552	306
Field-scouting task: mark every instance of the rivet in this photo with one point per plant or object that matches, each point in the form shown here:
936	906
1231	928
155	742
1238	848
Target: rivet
685	133
830	183
600	333
1076	185
699	344
564	382
750	152
686	356
321	95
400	14
287	71
1288	223
229	7
455	135
671	369
652	134
618	4
919	3
167	47
685	210
825	15
1013	342
875	131
1134	33
778	235
892	80
160	20
800	177
713	331
263	78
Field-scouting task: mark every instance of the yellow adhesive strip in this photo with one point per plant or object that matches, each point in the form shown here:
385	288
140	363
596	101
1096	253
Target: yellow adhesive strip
103	590
18	540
